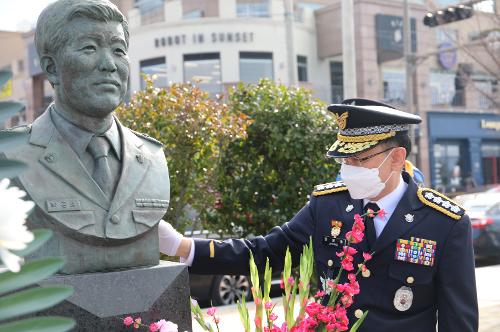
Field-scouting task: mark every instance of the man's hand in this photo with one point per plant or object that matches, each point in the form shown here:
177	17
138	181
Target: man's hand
172	243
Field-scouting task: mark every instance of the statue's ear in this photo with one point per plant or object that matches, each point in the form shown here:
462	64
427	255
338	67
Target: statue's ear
50	69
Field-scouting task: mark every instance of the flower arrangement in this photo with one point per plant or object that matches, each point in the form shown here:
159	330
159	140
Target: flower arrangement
325	311
159	326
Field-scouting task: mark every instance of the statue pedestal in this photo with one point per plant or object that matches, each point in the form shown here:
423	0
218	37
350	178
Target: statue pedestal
101	300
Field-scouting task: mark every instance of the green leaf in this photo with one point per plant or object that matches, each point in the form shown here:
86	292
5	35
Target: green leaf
32	300
40	324
31	273
11	168
10	139
42	235
9	108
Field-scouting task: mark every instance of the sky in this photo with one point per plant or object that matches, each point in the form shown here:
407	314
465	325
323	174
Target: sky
20	15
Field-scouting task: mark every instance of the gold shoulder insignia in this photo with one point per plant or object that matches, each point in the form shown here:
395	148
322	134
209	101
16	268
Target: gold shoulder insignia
440	202
328	188
147	137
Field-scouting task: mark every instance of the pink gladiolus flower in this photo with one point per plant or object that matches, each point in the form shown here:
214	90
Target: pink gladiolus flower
370	213
347	265
137	322
367	256
358	218
211	311
153	327
350	251
258	321
354	236
257	301
268	305
330	284
319	294
273	316
291	281
381	213
282	284
128	321
313	308
166	326
351	277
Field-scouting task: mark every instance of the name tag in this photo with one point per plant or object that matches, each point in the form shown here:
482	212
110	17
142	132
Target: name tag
63	205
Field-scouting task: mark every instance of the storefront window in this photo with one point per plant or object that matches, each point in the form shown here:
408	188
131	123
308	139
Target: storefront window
490	158
486	93
394	86
255	65
336	81
442	85
302	68
204	70
157	69
246	8
448	166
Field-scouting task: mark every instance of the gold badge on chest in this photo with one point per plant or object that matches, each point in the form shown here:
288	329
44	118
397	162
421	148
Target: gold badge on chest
336	227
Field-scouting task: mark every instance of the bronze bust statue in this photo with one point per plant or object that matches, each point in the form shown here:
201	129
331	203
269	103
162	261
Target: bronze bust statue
101	187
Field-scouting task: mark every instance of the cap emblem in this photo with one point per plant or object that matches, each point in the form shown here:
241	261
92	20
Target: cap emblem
341	119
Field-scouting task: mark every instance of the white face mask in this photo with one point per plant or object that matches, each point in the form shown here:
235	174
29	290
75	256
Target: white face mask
363	182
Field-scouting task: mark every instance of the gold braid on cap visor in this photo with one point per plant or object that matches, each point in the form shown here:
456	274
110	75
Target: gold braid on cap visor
353	144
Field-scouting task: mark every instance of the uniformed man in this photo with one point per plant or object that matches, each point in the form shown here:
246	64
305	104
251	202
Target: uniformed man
422	270
101	187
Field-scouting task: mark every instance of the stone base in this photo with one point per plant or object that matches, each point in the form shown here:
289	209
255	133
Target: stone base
102	300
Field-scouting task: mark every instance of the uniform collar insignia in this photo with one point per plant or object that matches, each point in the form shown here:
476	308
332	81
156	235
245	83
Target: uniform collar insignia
409	217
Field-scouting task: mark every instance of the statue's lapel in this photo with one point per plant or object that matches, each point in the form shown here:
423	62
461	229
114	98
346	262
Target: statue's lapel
59	158
135	163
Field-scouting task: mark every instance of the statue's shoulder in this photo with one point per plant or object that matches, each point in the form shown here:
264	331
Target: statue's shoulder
440	202
329	188
147	138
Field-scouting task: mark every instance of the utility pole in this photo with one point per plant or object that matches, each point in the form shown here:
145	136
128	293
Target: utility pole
290	52
410	69
348	50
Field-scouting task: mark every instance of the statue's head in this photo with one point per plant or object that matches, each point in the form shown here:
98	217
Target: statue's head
82	47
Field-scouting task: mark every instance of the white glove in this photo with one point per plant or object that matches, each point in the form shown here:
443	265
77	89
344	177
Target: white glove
170	239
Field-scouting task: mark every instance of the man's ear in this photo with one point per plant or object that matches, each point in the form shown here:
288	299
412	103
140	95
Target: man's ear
49	67
398	158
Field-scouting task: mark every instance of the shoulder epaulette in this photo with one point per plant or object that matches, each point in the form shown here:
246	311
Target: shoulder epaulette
26	129
440	202
147	137
328	188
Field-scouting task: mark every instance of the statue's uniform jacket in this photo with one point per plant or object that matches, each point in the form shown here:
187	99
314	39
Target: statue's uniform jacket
70	202
448	286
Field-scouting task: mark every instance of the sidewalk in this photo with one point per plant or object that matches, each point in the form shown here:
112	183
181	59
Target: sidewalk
488	293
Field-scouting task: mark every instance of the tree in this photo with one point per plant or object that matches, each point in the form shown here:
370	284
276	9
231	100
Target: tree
194	130
264	179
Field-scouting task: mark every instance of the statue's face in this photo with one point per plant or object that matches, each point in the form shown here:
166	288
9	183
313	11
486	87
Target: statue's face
93	68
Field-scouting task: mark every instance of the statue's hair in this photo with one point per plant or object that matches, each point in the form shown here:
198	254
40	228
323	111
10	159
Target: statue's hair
50	34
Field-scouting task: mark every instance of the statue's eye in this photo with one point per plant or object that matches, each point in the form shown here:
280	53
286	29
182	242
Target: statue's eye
89	48
120	51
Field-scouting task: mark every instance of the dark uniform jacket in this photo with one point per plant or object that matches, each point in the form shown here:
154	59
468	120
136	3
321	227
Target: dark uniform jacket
443	292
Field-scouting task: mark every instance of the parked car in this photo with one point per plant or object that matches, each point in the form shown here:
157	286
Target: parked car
484	212
225	289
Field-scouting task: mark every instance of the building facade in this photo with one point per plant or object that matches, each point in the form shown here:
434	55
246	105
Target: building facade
218	43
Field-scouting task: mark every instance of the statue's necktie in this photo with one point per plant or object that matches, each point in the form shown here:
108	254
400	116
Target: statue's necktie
99	149
370	233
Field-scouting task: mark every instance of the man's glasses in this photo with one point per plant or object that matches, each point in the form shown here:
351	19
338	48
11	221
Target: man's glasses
360	160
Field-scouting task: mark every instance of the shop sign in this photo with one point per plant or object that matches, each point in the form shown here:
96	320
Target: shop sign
204	38
490	125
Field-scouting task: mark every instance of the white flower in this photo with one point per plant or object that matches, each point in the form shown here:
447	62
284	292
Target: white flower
14	235
166	326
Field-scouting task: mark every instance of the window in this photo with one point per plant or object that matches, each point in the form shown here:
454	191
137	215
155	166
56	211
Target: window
246	8
442	85
336	81
157	69
449	167
490	159
152	11
204	70
486	90
394	86
255	65
302	68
